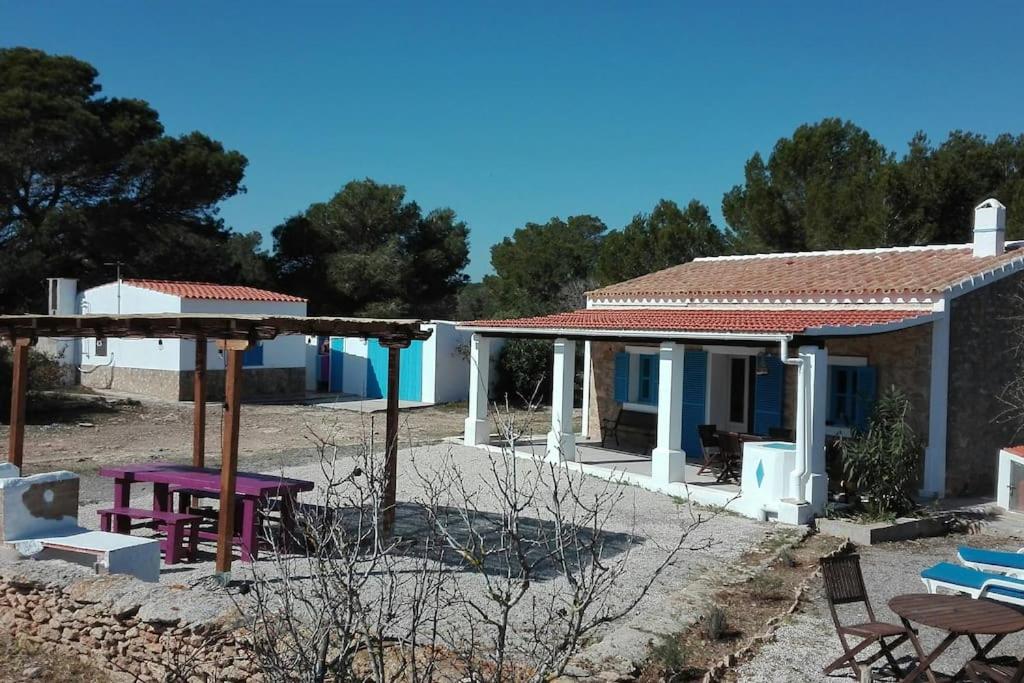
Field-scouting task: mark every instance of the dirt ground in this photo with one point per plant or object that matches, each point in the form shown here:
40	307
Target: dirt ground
83	432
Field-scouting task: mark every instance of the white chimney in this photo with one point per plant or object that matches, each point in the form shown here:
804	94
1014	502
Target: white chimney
989	228
61	296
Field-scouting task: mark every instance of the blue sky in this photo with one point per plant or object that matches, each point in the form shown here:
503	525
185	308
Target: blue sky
516	112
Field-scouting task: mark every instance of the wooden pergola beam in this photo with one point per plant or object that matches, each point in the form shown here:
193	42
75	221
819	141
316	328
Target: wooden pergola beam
199	406
234	350
19	392
391	433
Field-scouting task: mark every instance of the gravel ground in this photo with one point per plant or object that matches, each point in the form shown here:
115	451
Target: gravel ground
652	520
808	641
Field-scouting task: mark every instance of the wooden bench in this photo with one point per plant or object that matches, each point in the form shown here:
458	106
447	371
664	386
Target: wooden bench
631	422
173	524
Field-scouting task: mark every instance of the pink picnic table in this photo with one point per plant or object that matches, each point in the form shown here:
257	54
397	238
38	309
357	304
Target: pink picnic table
251	488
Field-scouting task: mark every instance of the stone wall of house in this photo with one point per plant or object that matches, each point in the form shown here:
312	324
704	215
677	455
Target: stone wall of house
983	360
177	386
134	630
602	384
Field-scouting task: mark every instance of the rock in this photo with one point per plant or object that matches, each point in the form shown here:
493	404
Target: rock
32	672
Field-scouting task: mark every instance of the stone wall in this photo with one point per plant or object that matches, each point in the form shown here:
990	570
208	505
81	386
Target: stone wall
602	384
177	386
982	362
134	630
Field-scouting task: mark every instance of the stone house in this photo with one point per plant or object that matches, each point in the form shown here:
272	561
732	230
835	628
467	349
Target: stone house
799	343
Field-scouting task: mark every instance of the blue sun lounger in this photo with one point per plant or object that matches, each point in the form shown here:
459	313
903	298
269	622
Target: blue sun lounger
977	584
996	561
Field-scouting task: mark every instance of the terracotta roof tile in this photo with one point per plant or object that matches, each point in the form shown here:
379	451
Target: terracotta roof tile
707	320
209	290
920	271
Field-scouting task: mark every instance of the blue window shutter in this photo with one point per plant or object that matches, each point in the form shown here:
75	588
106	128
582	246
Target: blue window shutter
695	377
768	396
622	377
865	399
253	356
655	376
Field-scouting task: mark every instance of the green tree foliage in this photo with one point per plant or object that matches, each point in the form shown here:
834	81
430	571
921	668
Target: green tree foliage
665	237
545	267
86	180
822	188
367	251
831	185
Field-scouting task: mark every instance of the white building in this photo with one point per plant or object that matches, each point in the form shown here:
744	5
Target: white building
431	371
165	367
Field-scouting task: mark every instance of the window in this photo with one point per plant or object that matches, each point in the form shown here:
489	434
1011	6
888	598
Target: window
636	378
851	395
738	390
253	356
647	386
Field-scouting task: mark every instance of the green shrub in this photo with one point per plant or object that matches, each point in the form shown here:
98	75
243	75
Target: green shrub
524	370
671	655
715	623
766	586
44	373
883	462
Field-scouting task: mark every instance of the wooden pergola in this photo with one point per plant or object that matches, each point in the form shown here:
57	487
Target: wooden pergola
233	334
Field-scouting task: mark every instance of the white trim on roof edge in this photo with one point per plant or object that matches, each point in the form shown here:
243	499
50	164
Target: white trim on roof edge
843	252
986	277
879	328
638	334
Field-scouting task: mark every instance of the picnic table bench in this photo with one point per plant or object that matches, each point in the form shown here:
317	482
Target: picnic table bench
173	524
631	422
251	489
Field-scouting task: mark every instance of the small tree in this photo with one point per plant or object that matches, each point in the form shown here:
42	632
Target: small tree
883	461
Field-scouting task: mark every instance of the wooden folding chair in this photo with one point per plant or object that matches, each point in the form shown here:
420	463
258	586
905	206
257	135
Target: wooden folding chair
731	457
708	447
844	584
980	671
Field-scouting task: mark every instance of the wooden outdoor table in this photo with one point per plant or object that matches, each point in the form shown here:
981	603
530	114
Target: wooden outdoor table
252	488
961	616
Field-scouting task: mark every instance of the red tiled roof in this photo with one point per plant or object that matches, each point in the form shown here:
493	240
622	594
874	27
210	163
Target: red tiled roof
753	321
1016	450
209	290
866	273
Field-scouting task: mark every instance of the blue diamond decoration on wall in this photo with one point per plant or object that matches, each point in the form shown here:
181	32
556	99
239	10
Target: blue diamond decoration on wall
759	473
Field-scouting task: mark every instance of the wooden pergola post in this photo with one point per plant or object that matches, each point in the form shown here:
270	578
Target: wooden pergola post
199	406
19	390
394	348
234	350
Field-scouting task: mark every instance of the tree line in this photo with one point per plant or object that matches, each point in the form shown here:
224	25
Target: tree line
87	181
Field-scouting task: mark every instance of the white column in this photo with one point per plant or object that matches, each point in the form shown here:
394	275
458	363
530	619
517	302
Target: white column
934	483
478	424
816	489
561	440
585	431
668	459
809	482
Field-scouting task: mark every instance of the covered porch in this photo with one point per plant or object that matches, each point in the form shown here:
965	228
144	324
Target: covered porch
681	378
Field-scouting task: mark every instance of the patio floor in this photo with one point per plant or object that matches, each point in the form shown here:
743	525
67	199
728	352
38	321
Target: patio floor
635	468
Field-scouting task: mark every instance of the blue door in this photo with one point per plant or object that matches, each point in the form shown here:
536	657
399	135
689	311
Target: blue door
410	372
695	377
337	364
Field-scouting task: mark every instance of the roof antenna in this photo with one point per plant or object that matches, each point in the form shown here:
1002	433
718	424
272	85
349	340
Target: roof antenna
118	265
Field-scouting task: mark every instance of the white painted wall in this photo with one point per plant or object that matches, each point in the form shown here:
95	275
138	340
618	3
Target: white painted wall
150	354
353	379
287	351
445	363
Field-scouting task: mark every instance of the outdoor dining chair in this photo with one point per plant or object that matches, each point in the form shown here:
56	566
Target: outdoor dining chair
979	671
731	457
709	448
844	585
